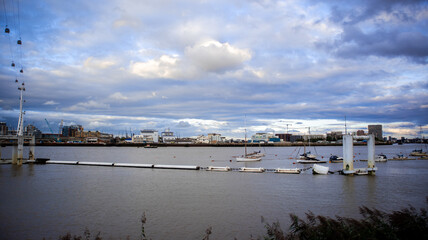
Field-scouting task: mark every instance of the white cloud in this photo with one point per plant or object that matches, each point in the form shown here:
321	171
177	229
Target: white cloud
208	56
92	63
118	96
50	103
162	67
90	105
213	56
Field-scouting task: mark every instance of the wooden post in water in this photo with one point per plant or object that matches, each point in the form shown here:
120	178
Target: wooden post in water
32	148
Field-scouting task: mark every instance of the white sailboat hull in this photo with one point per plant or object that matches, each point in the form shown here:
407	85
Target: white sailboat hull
248	159
318	169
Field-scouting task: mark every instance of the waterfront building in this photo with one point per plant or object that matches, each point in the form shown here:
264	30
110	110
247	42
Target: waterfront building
31	130
214	137
376	130
202	139
3	128
361	133
168	136
72	130
286	137
146	136
265	138
314	137
334	136
296	138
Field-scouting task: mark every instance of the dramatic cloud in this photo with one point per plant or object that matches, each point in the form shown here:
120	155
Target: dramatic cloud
205	66
214	56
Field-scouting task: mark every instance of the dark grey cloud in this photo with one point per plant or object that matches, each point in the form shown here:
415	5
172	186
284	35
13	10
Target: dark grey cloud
355	43
398	29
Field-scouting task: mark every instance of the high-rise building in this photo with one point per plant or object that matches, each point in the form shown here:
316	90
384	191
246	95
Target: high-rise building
376	130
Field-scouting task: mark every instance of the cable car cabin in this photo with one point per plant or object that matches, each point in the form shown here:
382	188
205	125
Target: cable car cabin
19	42
13	64
21	71
6	30
16	80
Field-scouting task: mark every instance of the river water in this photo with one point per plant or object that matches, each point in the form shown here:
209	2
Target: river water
46	201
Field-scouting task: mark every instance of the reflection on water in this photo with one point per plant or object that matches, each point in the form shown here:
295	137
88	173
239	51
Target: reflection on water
49	200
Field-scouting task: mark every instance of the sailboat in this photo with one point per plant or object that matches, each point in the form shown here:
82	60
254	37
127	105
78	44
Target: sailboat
248	157
308	157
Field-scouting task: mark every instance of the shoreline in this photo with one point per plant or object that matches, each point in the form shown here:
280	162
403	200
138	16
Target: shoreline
155	145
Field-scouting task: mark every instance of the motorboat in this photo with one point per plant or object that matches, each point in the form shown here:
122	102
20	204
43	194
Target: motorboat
336	159
381	158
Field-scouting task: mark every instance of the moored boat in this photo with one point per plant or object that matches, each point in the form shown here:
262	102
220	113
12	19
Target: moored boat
400	157
318	169
310	161
336	159
381	158
248	159
418	153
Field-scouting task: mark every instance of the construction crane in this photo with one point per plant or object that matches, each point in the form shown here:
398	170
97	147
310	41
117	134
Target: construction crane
49	126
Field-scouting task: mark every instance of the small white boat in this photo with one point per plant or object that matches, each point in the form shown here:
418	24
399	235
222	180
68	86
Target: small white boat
288	170
318	169
400	157
361	171
418	153
248	159
253	170
308	156
218	169
381	158
256	154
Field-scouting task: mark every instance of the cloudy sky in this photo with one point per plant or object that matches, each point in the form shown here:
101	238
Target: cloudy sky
201	66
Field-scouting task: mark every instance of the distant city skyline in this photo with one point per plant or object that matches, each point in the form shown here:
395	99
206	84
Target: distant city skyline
201	67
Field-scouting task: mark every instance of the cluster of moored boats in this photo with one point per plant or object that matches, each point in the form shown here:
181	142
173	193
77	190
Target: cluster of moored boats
309	158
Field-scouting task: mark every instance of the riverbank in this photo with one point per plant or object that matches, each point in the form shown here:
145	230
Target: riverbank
155	145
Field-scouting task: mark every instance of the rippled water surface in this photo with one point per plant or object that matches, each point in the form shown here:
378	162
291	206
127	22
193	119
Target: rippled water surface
39	201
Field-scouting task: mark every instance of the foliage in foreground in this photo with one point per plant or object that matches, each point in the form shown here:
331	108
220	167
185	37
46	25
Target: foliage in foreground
375	224
407	223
